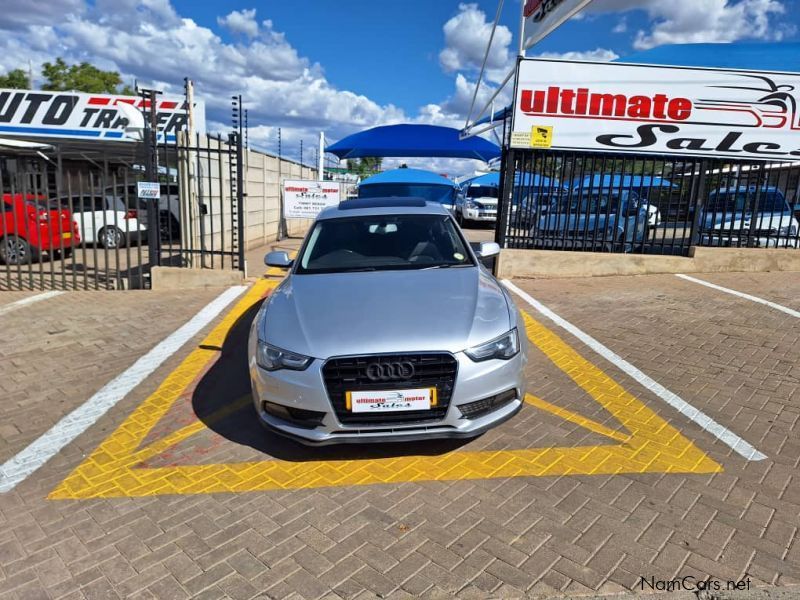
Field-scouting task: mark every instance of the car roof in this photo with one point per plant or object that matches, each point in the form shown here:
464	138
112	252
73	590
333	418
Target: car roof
392	205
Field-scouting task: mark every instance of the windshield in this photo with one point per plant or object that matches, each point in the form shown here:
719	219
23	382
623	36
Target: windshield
443	194
386	242
586	202
771	201
482	191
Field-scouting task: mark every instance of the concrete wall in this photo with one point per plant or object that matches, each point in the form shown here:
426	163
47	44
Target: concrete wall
205	179
555	263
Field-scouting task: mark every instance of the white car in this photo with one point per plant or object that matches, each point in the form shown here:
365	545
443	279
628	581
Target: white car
477	204
105	220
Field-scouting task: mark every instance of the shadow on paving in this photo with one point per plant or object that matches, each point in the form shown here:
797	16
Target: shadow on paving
228	381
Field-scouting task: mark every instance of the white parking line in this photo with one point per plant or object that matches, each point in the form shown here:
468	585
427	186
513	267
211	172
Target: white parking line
26	301
726	436
780	307
17	468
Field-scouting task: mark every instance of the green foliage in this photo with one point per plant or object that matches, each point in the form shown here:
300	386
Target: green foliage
364	166
16	80
83	77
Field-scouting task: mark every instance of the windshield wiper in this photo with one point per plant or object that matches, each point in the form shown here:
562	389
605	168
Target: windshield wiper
444	266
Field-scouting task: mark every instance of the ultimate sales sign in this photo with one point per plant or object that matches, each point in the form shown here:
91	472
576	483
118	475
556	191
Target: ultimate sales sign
614	107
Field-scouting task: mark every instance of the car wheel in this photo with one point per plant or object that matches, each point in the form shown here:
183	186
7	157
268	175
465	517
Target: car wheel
16	251
168	228
111	237
59	254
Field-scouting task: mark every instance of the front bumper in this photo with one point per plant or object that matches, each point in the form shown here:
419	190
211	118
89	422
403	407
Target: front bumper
306	390
474	214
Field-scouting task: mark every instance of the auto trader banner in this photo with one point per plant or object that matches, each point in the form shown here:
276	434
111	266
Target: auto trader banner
613	107
83	116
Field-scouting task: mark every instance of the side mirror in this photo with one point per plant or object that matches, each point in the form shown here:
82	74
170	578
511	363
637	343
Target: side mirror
488	249
278	259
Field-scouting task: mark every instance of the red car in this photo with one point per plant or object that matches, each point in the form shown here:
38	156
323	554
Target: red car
30	225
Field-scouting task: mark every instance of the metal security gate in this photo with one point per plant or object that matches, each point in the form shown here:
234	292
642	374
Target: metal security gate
644	204
201	212
71	218
68	224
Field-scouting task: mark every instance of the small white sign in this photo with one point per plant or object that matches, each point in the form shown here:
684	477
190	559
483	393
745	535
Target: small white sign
305	199
148	189
390	400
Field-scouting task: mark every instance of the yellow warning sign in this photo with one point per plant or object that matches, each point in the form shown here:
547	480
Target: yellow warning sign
640	440
541	136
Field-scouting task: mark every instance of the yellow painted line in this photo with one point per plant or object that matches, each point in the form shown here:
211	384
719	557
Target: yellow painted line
572	417
651	445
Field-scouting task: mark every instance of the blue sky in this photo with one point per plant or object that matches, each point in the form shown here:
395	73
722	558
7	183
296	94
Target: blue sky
390	50
344	66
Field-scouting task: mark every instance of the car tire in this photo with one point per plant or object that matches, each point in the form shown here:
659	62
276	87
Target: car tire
16	251
111	237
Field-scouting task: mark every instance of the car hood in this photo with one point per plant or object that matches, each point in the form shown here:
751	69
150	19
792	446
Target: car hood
340	314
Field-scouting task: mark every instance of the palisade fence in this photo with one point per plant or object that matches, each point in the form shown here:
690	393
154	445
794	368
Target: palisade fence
645	204
72	222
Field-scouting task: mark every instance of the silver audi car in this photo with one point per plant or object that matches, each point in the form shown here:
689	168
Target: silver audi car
387	328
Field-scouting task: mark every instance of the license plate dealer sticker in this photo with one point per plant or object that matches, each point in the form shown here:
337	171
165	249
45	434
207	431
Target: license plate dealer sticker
391	400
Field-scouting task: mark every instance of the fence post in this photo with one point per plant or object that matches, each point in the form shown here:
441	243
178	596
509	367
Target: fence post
698	200
505	195
151	173
240	195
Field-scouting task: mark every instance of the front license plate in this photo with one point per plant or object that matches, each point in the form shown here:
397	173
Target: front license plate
66	236
391	400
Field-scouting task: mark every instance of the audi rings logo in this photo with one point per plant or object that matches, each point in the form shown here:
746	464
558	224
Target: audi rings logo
389	371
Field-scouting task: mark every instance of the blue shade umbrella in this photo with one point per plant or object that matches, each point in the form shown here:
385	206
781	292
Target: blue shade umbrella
413	141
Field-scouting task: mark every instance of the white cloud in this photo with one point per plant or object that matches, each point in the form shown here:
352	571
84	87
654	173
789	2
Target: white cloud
241	21
598	54
466	36
21	13
696	21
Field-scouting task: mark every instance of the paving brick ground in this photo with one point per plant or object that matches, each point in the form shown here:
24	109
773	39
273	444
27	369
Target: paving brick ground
737	361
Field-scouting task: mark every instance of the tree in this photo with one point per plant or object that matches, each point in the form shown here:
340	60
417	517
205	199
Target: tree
364	166
15	80
83	77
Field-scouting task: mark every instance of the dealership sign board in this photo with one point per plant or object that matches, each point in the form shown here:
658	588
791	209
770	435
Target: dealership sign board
541	17
614	107
305	199
76	115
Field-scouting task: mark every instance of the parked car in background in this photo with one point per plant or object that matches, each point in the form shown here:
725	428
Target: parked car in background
106	220
477	203
169	210
438	351
748	216
589	219
31	225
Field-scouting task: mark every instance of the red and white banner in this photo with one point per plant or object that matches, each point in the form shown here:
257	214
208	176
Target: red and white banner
77	115
305	199
615	107
541	17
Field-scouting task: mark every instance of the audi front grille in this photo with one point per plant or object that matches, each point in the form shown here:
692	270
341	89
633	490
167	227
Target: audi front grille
350	374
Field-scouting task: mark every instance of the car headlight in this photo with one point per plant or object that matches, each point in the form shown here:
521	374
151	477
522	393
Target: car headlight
504	347
471	205
271	358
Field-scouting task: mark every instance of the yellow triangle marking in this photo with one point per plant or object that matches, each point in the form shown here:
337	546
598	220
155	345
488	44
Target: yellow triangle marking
652	445
580	420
